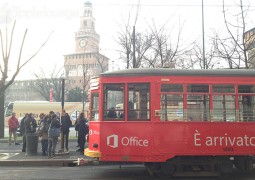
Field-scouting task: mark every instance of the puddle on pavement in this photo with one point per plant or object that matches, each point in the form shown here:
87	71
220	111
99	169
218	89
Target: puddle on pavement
4	156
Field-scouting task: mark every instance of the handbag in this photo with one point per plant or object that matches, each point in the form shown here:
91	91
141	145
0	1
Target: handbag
39	131
76	127
53	132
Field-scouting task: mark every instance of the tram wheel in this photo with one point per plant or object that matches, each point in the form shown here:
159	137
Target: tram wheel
153	168
226	167
244	164
168	168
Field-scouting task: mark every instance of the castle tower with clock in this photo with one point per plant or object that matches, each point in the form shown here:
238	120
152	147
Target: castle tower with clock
86	61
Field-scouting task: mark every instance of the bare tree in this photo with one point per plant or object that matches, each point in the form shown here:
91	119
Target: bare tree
163	50
142	46
5	80
85	83
234	48
153	47
45	84
125	42
226	49
134	44
102	61
196	60
75	95
87	73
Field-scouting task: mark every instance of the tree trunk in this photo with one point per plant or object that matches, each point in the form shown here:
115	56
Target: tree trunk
2	116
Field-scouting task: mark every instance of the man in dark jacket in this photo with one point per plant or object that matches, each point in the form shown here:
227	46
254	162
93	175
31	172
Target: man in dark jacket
66	123
83	131
22	132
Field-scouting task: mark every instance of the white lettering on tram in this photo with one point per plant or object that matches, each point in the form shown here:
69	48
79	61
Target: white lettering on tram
92	132
224	140
113	141
134	141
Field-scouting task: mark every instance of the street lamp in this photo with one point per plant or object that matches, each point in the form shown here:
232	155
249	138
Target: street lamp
63	94
62	105
203	35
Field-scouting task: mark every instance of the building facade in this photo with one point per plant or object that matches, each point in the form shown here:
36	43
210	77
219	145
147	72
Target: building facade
86	61
249	39
23	91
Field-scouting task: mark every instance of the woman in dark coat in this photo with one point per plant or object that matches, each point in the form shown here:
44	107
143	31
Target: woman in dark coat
52	141
83	130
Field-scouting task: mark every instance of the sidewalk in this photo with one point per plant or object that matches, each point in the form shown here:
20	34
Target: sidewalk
12	155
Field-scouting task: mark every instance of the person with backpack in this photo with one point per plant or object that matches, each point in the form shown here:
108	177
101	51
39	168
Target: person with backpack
30	124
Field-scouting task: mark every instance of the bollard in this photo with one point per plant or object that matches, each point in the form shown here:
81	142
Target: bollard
31	143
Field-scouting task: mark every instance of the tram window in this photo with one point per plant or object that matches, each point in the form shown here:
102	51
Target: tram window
198	108
198	88
95	105
223	88
246	108
223	108
139	102
246	89
171	107
171	88
113	102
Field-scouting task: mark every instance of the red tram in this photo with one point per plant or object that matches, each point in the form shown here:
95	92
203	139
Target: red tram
174	120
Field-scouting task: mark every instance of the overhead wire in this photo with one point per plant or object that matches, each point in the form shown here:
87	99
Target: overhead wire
170	5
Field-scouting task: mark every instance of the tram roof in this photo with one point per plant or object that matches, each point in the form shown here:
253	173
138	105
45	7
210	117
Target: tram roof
180	72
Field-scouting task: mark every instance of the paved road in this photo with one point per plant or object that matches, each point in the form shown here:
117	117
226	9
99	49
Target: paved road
127	172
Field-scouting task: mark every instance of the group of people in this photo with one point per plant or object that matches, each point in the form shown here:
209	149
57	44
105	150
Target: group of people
47	122
49	129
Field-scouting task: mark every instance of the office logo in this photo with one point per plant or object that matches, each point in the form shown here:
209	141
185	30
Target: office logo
112	141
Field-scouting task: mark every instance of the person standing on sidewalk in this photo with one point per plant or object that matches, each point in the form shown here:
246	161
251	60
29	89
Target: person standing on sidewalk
13	126
66	123
52	141
76	127
43	132
22	132
83	130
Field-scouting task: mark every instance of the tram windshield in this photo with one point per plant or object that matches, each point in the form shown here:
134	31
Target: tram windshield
113	96
137	101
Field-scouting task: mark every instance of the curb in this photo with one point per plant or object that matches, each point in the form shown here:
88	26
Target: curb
39	162
60	162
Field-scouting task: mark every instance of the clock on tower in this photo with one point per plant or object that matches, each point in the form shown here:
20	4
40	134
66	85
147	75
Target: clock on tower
83	43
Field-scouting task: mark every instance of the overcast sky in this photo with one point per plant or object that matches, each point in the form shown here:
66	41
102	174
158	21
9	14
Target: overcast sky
41	17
